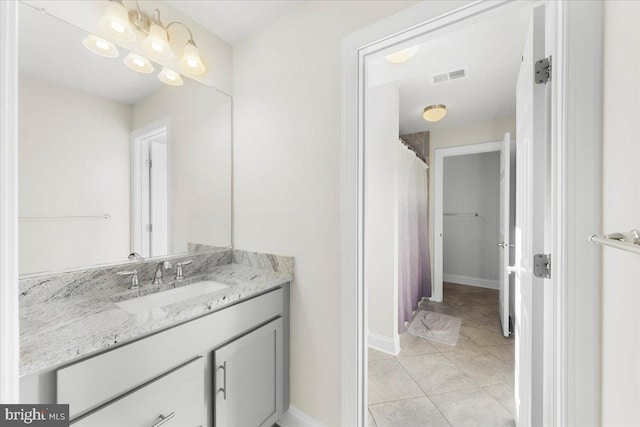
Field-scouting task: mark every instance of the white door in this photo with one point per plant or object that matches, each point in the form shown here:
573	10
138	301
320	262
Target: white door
504	243
531	176
158	198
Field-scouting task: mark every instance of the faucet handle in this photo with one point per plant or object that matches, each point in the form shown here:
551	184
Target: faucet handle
135	283
179	271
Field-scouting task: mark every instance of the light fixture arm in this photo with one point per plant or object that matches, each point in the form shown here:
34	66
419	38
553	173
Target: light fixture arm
185	26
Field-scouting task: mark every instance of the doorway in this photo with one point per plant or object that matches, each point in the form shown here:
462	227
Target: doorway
150	191
478	95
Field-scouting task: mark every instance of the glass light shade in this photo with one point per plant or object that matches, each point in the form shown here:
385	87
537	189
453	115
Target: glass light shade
190	61
157	43
402	56
434	113
170	77
138	63
100	46
115	22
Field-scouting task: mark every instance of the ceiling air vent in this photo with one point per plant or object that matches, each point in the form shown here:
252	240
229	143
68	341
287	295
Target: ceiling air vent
450	75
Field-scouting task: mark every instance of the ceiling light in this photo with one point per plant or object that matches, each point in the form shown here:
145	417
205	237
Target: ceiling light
115	22
402	56
100	46
190	61
138	63
434	113
157	42
170	77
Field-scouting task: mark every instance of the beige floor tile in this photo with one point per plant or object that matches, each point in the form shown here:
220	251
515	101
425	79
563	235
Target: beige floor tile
504	394
389	381
471	408
470	350
462	344
505	353
434	373
484	337
370	421
413	346
486	370
375	355
419	412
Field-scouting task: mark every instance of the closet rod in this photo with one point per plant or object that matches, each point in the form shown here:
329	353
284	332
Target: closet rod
103	216
629	242
461	214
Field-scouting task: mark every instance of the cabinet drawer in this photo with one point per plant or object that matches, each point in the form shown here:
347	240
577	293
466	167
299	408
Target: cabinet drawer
176	395
94	381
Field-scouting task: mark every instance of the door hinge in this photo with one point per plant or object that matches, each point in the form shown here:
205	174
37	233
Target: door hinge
149	163
542	70
542	266
149	228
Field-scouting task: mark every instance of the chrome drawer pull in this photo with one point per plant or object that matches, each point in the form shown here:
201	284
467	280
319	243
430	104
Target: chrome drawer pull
164	419
224	380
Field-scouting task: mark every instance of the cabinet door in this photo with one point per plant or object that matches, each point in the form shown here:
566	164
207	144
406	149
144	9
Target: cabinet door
175	399
248	379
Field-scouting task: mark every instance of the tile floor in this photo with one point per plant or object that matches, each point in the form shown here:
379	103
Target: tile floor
432	384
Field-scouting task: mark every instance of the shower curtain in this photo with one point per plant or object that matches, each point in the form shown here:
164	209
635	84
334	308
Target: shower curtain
412	237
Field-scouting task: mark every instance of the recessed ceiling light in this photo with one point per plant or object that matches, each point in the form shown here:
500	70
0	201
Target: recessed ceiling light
402	56
434	113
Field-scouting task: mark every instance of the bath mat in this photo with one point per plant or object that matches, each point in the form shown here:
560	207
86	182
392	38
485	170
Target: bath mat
436	327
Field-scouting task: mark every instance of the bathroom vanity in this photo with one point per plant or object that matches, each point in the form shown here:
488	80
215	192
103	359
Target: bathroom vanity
216	359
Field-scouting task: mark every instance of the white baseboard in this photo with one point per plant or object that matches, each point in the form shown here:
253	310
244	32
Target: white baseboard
384	344
471	281
294	417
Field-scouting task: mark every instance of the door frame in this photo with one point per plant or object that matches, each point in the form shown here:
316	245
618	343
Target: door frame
137	135
438	205
572	321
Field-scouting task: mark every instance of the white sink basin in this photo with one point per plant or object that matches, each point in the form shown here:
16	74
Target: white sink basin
152	302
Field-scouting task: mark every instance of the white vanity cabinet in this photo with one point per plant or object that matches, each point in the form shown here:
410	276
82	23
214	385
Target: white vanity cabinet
176	371
248	378
172	400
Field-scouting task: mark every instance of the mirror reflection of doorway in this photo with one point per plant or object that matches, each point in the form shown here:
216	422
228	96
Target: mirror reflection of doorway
150	191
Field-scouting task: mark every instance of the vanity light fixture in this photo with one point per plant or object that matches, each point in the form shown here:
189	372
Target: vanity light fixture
157	42
100	46
402	56
434	113
120	24
138	63
115	22
170	77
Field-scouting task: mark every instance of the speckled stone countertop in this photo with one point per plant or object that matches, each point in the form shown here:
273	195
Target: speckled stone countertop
59	329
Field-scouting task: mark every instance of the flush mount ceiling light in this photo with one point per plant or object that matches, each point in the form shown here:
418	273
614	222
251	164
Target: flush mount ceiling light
434	113
100	46
402	56
170	77
138	63
121	25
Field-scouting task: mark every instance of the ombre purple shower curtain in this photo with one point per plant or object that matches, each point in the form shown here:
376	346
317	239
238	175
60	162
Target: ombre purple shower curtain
412	237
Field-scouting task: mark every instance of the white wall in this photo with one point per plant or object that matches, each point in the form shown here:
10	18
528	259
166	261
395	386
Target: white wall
199	161
381	262
287	145
216	53
471	184
66	134
621	212
483	132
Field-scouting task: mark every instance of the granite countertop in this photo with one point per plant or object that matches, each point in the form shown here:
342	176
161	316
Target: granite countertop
63	329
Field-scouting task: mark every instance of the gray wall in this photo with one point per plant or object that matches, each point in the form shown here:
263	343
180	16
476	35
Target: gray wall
472	184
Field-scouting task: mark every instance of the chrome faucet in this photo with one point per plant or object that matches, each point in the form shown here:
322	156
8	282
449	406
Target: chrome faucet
134	284
179	270
160	269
